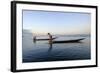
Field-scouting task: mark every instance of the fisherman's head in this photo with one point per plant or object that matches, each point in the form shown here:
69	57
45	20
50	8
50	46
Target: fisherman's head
48	33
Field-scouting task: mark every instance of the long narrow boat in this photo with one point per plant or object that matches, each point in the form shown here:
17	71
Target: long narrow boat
69	41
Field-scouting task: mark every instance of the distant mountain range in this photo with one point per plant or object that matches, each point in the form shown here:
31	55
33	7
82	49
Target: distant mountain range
29	33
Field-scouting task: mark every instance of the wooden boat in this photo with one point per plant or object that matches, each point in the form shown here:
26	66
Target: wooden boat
69	41
45	39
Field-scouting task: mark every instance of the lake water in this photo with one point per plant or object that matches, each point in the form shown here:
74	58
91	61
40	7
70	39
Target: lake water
41	51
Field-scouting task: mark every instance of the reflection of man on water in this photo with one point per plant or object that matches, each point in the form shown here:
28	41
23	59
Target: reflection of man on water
50	38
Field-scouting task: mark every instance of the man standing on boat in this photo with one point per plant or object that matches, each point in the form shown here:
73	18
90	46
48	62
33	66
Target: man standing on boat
50	38
34	39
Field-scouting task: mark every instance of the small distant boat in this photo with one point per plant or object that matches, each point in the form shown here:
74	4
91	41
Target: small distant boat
69	41
45	39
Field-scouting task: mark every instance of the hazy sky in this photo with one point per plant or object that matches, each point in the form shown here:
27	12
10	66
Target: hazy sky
42	22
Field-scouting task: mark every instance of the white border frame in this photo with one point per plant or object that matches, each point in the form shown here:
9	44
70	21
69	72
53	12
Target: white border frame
38	65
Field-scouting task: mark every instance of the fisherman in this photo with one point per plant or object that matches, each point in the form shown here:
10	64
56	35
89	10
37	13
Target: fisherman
34	39
50	38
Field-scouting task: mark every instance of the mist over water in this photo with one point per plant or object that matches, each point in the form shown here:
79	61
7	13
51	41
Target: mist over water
41	51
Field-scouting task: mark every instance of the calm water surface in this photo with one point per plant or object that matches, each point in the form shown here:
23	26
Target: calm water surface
42	51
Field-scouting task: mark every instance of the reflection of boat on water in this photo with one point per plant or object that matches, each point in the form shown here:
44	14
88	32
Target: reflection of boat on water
69	41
